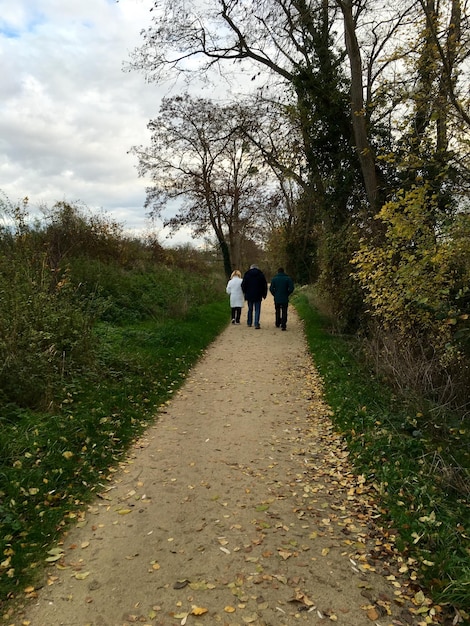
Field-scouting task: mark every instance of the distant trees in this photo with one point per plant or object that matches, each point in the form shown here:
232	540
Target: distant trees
200	156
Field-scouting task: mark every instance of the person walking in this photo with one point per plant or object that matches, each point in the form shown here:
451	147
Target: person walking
255	288
281	287
237	297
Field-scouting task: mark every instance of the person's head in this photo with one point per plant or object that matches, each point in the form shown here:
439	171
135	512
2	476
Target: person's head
280	270
236	273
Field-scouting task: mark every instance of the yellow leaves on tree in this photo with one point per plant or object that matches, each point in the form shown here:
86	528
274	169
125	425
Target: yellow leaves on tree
414	278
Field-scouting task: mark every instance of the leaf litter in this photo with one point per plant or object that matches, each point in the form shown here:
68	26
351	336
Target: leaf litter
252	513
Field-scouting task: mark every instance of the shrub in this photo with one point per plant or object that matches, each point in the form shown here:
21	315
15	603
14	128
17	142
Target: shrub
45	330
417	282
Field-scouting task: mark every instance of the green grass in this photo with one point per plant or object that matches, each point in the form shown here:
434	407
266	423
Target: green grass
51	463
397	445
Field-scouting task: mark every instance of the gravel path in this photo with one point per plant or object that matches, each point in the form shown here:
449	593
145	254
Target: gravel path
239	506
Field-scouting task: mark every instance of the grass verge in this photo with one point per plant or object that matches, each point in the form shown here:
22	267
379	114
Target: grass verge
52	463
430	514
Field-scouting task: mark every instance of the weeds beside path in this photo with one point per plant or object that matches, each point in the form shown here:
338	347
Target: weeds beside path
239	506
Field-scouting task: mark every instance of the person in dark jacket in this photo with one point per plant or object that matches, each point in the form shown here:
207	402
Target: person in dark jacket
255	288
281	287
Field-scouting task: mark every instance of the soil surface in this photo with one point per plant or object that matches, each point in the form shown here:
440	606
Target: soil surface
238	506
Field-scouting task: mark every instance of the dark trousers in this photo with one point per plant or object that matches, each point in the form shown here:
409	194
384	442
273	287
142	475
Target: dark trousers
281	314
236	313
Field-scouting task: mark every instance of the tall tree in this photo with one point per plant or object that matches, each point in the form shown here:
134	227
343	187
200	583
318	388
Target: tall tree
199	158
291	39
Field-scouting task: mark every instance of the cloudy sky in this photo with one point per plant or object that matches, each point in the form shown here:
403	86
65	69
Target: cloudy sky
68	112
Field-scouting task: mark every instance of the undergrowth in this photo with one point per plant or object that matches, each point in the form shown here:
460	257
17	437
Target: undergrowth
402	447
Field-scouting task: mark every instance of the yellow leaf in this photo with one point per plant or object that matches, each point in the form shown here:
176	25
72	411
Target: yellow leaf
419	598
55	557
124	511
198	610
373	614
230	609
81	575
67	455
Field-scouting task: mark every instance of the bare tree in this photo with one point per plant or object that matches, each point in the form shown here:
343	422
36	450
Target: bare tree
199	159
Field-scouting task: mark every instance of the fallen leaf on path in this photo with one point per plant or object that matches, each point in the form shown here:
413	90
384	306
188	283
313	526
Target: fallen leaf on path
199	585
182	616
284	554
52	559
181	584
282	579
262	507
302	599
373	614
198	610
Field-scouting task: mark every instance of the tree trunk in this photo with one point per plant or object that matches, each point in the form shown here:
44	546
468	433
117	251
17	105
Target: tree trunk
358	113
224	248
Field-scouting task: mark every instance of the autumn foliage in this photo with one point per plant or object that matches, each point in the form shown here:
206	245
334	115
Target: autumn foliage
416	284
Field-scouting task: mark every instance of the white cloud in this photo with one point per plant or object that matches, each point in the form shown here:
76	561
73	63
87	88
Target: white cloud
69	113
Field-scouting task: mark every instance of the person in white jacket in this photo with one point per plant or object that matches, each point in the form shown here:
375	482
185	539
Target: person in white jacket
237	298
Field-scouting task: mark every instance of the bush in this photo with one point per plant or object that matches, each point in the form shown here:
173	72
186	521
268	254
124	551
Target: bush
417	285
45	330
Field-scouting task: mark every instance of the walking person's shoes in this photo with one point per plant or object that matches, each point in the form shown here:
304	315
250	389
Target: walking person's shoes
258	327
284	328
233	321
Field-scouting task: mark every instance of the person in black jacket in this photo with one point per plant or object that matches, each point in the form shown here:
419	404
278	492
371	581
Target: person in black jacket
281	287
255	288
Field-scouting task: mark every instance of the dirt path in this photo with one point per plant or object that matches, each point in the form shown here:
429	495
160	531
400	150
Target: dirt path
237	507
